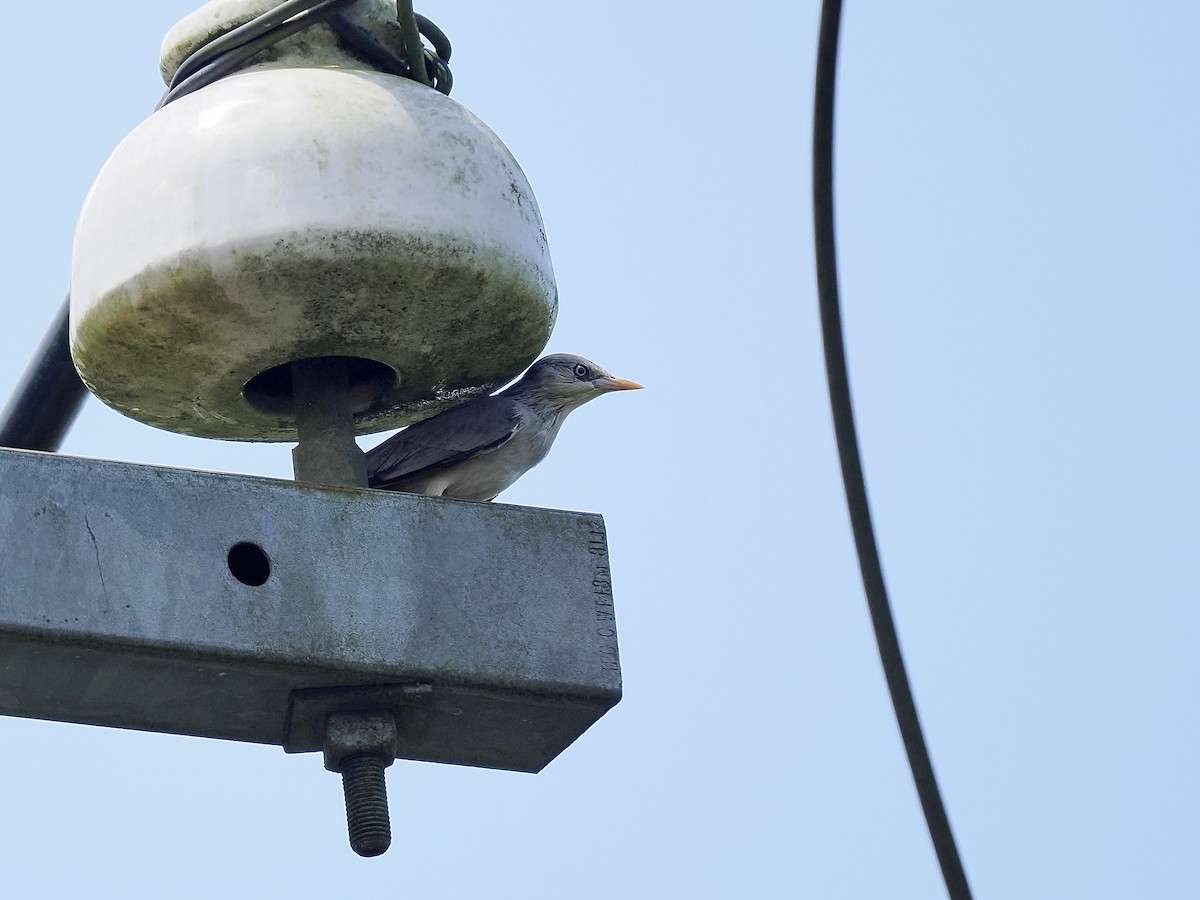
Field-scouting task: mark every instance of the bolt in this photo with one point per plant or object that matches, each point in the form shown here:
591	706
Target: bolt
366	804
360	745
326	452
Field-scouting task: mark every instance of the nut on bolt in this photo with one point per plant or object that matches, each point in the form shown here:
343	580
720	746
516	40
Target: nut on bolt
361	746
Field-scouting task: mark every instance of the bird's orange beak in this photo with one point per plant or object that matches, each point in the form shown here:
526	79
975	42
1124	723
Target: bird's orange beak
621	384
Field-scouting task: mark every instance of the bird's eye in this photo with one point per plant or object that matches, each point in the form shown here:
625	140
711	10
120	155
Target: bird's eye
581	371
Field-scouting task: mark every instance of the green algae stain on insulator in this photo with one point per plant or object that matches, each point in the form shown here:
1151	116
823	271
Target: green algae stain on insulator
305	206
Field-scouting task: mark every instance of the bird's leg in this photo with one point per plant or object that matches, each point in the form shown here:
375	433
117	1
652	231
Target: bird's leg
326	452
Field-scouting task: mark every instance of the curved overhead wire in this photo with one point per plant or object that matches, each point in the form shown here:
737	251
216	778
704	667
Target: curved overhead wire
851	463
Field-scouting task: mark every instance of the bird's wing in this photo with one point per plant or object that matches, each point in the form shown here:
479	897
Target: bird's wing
443	440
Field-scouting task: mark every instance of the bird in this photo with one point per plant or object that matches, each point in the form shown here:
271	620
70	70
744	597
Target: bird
478	449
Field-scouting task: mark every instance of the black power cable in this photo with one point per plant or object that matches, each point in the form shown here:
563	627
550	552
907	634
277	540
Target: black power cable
851	462
233	49
50	394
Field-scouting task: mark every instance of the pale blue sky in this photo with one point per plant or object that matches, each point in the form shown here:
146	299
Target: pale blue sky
1017	197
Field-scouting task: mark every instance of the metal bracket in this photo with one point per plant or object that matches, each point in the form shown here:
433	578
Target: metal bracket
226	606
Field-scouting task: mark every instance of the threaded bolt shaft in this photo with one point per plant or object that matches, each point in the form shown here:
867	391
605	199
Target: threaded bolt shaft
366	804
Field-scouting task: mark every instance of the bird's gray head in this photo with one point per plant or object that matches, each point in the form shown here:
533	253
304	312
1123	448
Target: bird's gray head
562	381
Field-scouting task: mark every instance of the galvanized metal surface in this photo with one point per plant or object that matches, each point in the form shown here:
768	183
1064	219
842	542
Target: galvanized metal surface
490	626
326	452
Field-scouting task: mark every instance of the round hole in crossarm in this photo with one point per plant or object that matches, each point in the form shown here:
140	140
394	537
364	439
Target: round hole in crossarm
249	564
271	391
